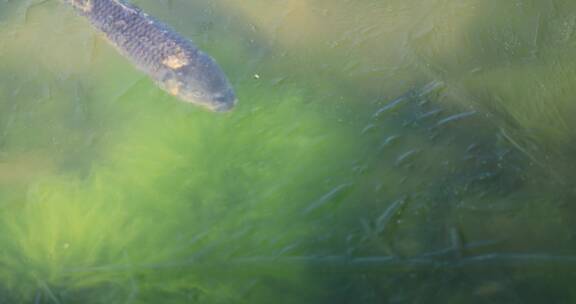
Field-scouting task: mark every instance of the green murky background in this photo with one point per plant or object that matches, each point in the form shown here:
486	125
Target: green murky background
394	151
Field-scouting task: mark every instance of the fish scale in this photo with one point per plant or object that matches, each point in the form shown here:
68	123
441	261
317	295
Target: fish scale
170	59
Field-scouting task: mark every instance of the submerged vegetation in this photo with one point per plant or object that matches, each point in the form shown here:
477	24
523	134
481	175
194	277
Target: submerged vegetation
352	171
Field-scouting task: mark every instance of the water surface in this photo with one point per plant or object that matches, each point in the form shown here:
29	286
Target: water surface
382	152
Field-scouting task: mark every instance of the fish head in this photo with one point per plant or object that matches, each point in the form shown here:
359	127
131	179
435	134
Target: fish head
201	82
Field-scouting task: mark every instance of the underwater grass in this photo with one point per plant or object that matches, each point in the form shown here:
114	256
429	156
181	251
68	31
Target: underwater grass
178	195
175	187
305	194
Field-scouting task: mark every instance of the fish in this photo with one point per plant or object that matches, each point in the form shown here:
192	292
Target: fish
174	62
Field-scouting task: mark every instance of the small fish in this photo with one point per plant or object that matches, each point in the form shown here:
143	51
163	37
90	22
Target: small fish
171	60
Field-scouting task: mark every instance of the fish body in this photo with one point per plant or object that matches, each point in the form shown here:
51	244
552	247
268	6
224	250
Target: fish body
170	59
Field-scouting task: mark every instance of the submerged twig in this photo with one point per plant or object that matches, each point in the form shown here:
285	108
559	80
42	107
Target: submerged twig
457	242
38	297
519	147
48	292
370	264
135	290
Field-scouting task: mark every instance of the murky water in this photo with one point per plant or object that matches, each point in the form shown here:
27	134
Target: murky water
393	151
